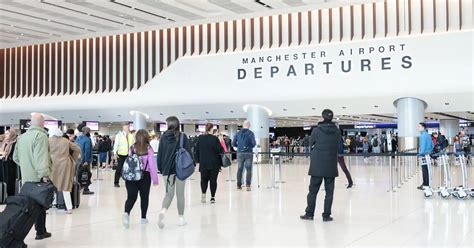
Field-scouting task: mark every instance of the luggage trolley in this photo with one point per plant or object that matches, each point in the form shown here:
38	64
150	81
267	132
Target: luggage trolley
445	189
461	191
426	160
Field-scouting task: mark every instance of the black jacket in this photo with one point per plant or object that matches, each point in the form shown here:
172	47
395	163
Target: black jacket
166	159
324	144
209	152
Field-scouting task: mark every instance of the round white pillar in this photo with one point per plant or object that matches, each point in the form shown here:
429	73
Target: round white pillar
258	116
139	120
410	112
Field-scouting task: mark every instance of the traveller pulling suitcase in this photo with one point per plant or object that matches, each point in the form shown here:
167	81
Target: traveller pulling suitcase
75	195
17	220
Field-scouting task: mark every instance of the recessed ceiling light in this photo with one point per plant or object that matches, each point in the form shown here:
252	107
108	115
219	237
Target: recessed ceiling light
183	113
313	108
161	113
284	109
343	107
232	111
207	112
119	115
99	116
376	106
446	103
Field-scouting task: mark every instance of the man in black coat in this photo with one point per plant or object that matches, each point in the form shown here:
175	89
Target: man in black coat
324	144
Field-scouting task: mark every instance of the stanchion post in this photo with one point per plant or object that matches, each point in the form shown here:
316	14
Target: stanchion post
98	165
230	171
279	171
399	176
273	186
390	189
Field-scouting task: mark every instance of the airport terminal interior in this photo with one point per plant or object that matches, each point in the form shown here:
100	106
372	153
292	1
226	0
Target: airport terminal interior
250	113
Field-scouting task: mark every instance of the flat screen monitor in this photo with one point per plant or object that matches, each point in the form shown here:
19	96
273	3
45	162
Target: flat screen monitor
51	124
201	128
163	127
93	125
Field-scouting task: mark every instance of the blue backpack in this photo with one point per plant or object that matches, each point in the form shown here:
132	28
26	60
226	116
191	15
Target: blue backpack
184	161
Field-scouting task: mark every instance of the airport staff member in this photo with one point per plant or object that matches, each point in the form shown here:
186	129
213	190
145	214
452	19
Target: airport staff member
123	141
324	144
425	148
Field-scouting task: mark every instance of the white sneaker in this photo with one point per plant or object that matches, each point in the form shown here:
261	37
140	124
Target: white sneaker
181	221
203	198
161	217
126	220
144	221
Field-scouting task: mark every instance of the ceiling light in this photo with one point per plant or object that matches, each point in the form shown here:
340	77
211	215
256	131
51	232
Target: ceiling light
284	109
343	107
313	108
207	112
446	103
99	116
161	113
232	111
119	115
183	113
376	106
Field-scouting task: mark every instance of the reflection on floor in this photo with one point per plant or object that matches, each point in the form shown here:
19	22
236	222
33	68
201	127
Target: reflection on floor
365	216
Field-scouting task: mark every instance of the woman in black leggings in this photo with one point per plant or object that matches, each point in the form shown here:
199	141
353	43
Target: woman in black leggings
209	151
145	153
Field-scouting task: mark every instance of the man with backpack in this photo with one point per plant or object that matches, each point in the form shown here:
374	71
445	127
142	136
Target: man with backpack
244	140
375	144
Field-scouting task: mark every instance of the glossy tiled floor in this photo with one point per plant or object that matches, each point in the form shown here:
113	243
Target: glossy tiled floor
365	216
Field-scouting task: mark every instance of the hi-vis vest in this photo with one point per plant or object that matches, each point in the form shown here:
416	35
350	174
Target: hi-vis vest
122	144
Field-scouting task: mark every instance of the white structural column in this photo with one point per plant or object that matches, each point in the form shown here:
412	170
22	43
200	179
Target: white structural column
139	120
410	112
232	131
258	116
449	128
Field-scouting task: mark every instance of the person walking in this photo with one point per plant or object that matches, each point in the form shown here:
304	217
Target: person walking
64	155
425	148
145	152
342	163
6	152
84	141
123	141
324	142
33	156
209	151
166	161
394	144
244	140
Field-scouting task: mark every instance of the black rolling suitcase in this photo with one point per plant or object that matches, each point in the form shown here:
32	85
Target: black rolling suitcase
75	197
17	220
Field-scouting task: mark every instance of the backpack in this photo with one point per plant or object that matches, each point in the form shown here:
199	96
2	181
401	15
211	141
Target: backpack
375	143
184	161
133	168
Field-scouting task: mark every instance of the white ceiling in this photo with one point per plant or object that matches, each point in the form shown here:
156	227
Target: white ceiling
39	21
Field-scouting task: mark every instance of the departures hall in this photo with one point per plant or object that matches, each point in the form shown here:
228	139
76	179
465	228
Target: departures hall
236	123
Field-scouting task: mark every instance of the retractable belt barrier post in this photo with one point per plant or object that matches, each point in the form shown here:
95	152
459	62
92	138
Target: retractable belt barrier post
279	171
98	169
273	186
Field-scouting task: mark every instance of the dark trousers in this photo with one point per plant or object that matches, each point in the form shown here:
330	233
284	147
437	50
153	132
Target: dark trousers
118	172
209	177
314	186
342	163
11	177
135	187
426	176
244	160
40	224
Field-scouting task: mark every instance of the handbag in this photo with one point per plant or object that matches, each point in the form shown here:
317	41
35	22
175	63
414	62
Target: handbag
226	161
41	192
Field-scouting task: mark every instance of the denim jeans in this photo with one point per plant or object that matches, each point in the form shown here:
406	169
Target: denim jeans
244	159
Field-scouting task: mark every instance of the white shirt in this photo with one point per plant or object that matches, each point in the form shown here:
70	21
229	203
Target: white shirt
154	144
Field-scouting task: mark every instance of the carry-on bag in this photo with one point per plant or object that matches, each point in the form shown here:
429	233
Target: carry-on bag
41	192
17	220
75	197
